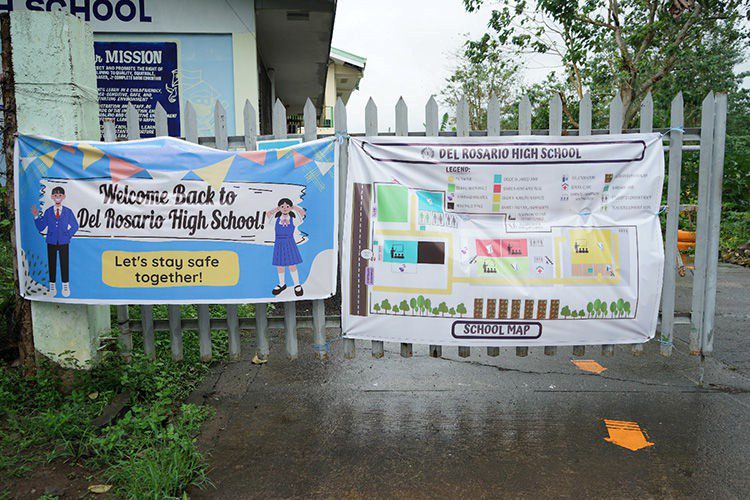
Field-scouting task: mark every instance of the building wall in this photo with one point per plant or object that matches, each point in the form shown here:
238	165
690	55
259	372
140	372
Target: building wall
216	46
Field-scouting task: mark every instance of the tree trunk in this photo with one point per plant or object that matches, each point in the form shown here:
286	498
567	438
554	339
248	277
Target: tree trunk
22	307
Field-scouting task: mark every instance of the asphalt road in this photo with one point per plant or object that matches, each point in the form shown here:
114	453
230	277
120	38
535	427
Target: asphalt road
482	426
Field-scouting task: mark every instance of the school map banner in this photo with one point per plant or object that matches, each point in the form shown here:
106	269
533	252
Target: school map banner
503	241
166	221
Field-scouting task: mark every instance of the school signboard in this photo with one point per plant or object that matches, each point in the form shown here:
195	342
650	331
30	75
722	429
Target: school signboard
166	221
503	241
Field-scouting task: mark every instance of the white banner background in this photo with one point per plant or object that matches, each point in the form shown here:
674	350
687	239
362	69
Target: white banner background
503	241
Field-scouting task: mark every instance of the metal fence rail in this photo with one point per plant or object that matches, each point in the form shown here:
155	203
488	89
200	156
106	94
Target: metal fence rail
708	139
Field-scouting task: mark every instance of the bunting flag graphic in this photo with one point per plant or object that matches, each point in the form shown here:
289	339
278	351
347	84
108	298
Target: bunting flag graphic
121	169
27	160
167	176
214	174
49	158
324	166
299	159
68	148
283	153
258	157
91	154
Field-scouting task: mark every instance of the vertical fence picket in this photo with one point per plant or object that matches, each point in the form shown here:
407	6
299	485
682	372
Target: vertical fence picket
191	123
402	128
371	130
673	216
524	116
714	222
555	129
701	227
432	129
463	127
646	127
615	127
493	130
318	306
174	314
584	129
493	116
524	128
340	127
261	311
133	122
123	313
290	308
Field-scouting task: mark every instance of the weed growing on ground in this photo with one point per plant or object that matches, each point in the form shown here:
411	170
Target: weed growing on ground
150	451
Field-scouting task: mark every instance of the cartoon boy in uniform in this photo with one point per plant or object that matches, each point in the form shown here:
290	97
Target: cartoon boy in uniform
61	225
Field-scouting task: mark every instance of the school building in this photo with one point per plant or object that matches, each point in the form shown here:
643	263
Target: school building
203	51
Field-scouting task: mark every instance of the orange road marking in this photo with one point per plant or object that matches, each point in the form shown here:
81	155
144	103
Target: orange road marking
588	365
626	434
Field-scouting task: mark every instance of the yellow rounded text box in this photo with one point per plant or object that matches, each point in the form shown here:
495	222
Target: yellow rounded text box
169	269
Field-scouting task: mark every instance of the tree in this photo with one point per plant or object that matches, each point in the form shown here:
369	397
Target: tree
626	46
581	313
575	314
435	311
413	304
395	309
461	309
613	308
428	305
477	80
565	312
420	303
443	308
385	305
376	308
602	307
452	311
590	308
626	307
403	306
620	307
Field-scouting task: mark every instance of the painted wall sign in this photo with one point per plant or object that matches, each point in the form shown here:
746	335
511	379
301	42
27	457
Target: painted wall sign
503	241
166	221
150	16
141	73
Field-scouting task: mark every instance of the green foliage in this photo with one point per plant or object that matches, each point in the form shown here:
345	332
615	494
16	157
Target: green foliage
149	452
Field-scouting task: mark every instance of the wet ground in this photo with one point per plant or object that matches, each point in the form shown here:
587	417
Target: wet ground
483	426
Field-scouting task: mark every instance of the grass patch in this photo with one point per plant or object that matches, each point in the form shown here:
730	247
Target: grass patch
149	452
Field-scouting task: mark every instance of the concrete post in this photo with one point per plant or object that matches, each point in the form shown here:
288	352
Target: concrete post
53	60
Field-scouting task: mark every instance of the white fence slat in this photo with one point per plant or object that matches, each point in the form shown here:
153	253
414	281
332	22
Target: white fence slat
717	176
318	306
279	120
673	216
615	115
584	115
204	332
701	227
108	130
615	127
191	123
161	121
431	118
261	330
432	129
251	126
524	116
555	115
220	127
340	126
133	122
493	116
402	117
402	128
555	129
647	114
463	123
371	118
126	337
147	326
646	126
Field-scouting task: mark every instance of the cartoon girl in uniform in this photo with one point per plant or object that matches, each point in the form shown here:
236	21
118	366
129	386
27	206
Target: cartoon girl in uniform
285	251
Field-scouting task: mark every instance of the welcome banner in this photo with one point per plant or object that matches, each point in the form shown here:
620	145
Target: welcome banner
503	241
166	221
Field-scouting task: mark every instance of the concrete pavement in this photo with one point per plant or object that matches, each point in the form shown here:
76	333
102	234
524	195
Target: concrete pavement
482	426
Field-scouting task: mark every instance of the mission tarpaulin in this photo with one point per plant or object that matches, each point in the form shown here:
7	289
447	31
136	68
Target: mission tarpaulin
504	241
166	221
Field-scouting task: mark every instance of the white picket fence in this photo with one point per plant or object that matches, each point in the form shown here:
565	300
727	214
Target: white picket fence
709	139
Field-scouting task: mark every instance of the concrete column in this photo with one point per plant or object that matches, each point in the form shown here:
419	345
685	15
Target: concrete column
53	60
